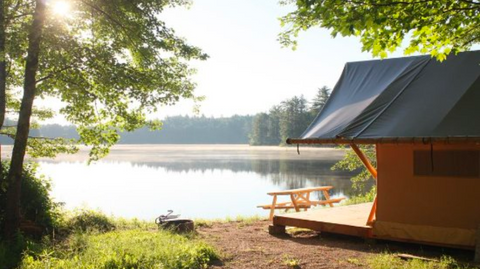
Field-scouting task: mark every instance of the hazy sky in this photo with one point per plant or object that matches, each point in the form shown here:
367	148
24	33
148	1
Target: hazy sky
248	71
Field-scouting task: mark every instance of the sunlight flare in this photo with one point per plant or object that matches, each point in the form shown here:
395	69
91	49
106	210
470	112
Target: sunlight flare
61	8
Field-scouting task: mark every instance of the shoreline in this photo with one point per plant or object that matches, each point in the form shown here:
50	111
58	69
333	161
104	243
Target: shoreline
172	152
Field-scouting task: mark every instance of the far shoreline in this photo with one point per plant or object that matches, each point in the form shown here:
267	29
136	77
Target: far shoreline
170	152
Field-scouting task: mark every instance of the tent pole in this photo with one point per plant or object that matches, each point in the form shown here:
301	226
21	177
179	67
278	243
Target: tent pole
373	171
373	211
365	160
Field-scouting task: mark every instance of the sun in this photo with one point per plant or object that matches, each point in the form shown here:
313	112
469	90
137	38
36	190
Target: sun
61	8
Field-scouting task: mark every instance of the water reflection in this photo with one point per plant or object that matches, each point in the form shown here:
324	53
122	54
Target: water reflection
218	185
286	174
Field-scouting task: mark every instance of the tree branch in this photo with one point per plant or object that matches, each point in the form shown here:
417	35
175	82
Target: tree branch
380	4
54	73
30	136
109	17
19	16
125	30
14	10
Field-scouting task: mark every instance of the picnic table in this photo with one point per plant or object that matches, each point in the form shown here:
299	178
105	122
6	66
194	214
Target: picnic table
300	198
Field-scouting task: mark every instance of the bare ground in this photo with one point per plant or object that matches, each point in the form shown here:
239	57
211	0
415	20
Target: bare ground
249	245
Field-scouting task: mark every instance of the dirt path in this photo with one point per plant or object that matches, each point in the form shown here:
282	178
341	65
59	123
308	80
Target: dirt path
248	245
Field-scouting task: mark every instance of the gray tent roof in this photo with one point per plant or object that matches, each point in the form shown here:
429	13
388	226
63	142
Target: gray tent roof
411	97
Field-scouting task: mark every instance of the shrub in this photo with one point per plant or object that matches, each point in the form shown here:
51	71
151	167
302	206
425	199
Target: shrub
358	199
89	220
351	162
10	253
36	205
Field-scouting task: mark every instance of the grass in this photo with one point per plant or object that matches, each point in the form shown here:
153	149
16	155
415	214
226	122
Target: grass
90	239
242	220
128	224
133	243
355	261
135	248
93	240
390	261
291	262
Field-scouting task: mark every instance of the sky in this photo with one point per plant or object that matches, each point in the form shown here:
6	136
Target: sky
248	71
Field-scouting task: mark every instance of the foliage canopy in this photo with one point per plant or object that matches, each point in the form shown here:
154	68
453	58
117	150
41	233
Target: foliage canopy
110	62
435	27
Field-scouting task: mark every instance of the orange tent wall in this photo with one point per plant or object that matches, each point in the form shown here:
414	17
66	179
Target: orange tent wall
428	209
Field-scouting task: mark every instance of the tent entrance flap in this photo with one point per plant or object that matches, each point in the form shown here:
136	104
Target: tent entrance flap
373	172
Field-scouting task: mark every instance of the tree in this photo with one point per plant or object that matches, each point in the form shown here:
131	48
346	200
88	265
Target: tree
295	117
435	27
320	100
259	132
289	119
273	125
110	62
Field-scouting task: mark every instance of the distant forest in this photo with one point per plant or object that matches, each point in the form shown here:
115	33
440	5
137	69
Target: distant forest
287	119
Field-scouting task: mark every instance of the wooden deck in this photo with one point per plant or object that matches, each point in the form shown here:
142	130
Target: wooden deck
348	220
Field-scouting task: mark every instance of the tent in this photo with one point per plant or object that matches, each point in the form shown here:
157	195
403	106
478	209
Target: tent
423	117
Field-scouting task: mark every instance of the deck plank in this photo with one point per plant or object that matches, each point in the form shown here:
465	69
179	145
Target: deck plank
349	220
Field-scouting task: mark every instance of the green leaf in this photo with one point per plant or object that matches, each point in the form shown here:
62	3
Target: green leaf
431	26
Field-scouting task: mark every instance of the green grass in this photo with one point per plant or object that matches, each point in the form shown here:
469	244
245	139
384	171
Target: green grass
90	239
242	220
291	262
390	261
123	249
128	224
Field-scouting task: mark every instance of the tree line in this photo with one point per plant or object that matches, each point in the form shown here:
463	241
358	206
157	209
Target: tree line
288	119
174	130
194	130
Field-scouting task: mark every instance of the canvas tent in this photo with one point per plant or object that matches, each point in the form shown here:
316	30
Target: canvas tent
423	116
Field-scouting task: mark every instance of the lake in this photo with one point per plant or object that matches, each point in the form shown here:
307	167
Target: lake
197	181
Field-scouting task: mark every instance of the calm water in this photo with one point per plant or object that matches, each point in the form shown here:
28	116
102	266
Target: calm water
205	181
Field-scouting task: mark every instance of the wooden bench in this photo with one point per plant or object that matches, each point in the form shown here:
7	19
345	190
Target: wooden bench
300	199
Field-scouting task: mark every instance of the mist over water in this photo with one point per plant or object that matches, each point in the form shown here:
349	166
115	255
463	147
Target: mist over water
197	181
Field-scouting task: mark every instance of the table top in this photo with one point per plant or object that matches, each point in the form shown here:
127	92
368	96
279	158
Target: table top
301	190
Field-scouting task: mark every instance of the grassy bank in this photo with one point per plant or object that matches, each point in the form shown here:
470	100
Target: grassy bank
123	249
89	239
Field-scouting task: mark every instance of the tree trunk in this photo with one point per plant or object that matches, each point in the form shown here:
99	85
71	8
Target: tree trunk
3	76
12	214
3	64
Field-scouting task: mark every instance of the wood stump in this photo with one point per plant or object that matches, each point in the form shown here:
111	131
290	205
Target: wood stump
178	225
